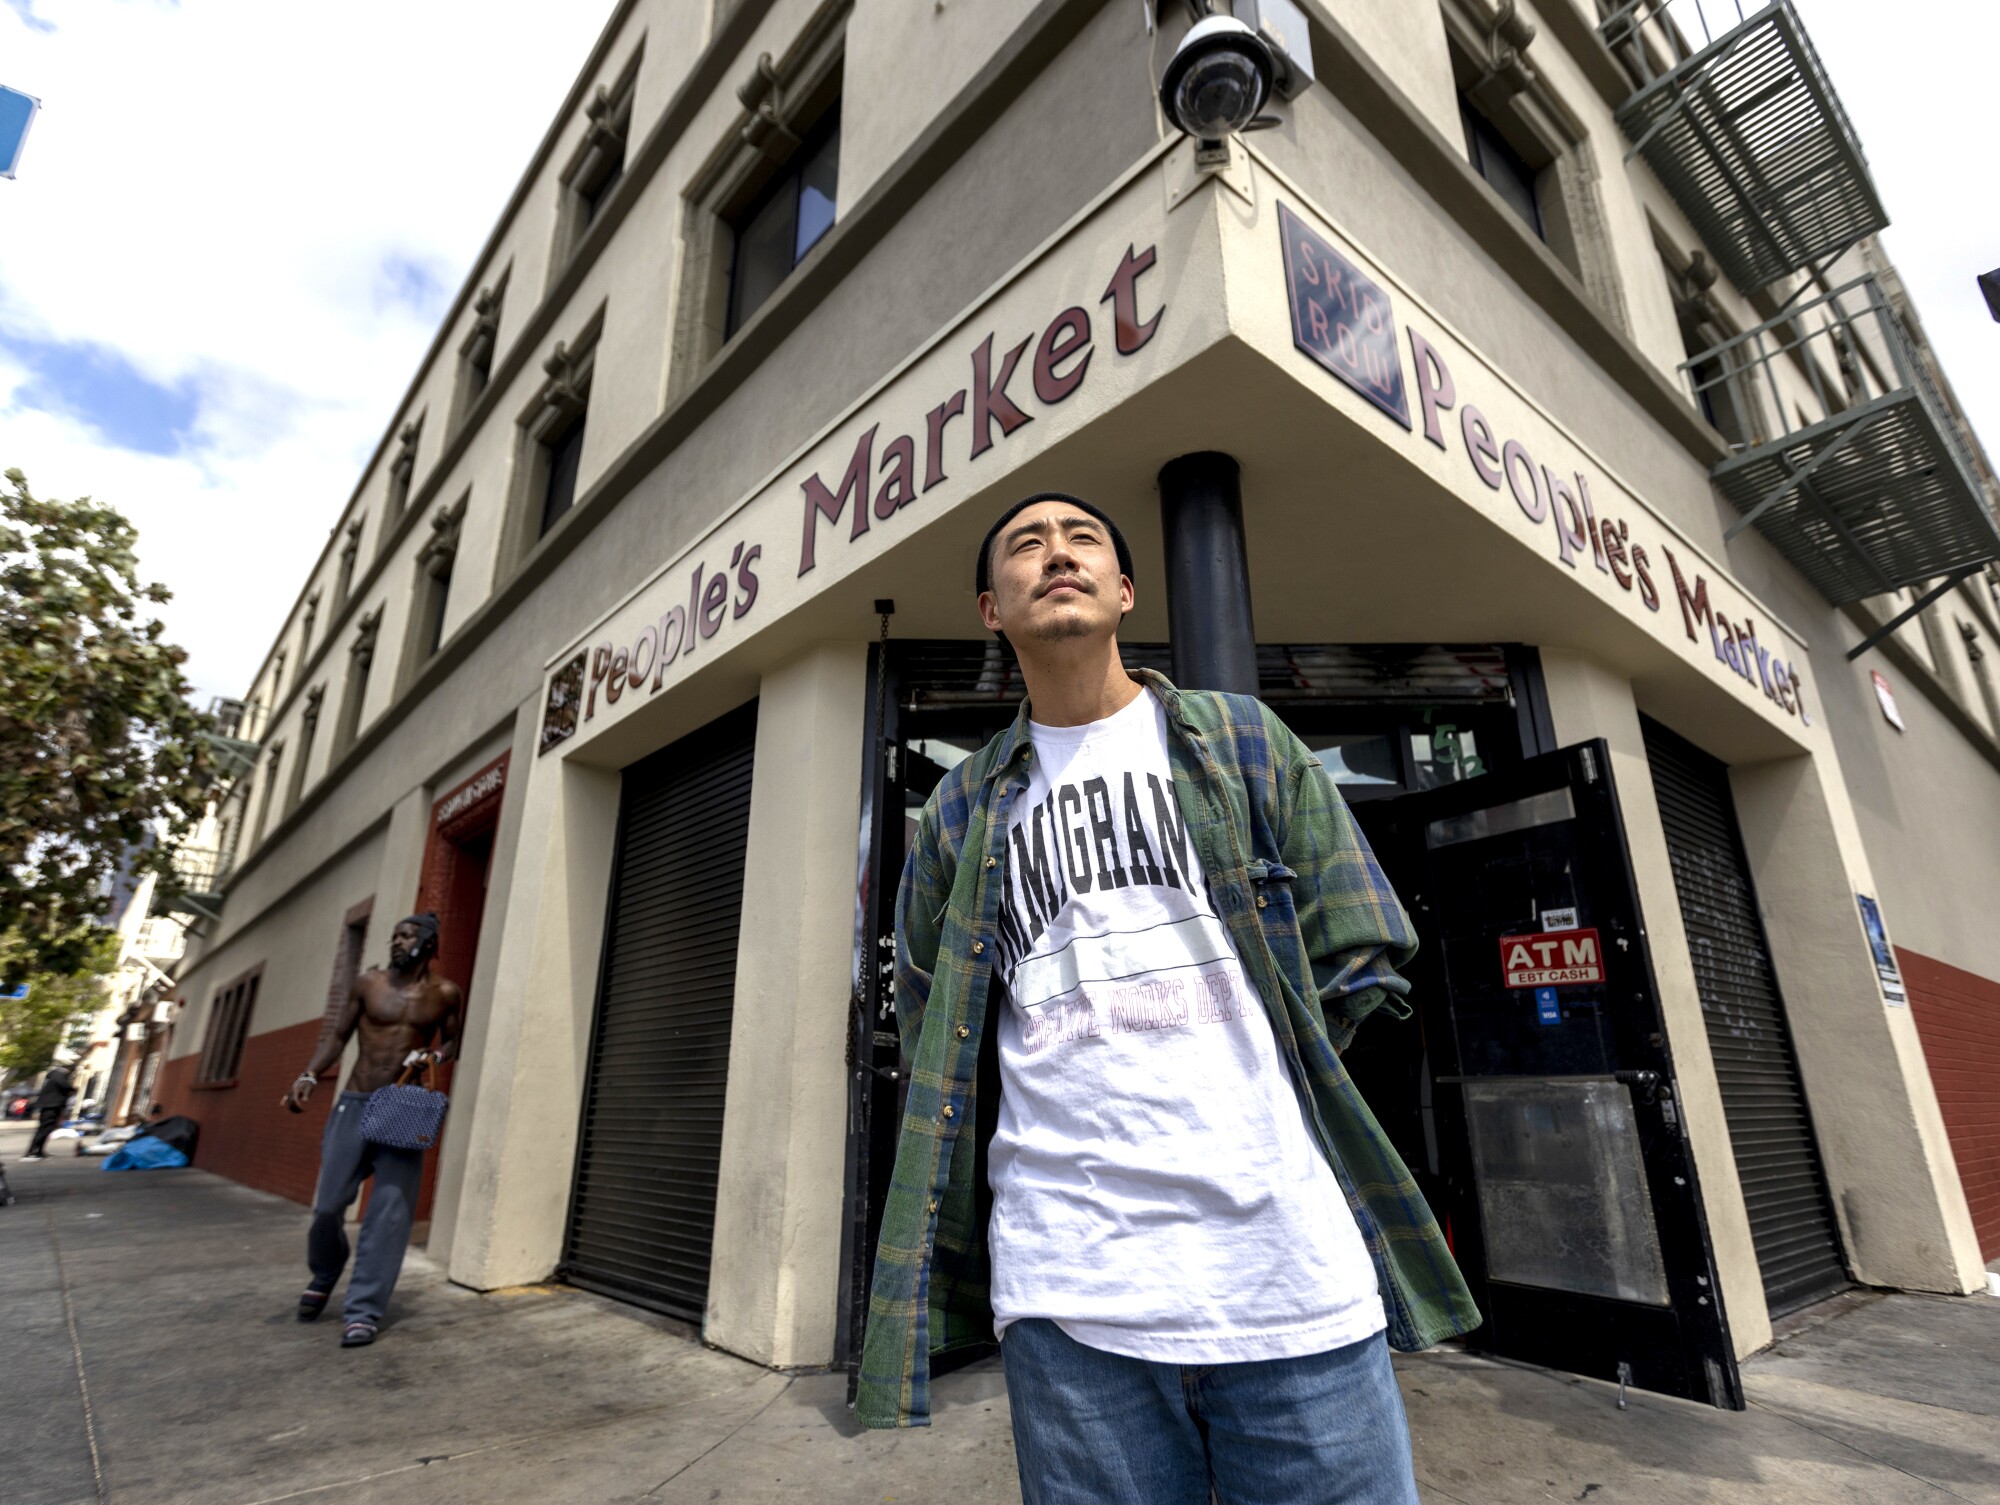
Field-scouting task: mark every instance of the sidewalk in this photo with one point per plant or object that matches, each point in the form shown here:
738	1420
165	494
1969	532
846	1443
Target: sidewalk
203	1390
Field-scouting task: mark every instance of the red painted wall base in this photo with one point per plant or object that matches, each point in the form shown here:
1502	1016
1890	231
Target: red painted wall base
245	1135
1958	1019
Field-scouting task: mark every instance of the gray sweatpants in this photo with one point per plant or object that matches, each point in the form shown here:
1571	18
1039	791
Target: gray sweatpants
345	1161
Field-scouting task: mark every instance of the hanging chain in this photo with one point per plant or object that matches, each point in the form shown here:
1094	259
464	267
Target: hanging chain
887	609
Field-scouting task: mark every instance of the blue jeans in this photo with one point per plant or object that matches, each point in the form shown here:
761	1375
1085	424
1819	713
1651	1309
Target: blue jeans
345	1161
1094	1428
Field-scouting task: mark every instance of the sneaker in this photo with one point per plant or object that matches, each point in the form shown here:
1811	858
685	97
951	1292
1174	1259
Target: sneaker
357	1335
26	1158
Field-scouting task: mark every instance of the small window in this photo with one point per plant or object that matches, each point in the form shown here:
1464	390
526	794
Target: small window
274	760
475	355
228	1029
402	470
354	694
344	581
433	593
565	454
785	222
1724	396
308	726
1503	168
598	166
306	625
434	608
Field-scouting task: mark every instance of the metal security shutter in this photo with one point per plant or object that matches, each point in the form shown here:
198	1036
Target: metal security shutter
642	1216
1770	1130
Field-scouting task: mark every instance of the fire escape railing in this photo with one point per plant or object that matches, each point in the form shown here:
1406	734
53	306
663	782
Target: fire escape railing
1881	492
1736	117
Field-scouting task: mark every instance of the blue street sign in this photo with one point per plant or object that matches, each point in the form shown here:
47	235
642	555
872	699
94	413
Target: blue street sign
19	990
17	113
1545	1006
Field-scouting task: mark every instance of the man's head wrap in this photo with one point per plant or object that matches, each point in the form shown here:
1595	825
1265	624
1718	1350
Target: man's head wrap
427	931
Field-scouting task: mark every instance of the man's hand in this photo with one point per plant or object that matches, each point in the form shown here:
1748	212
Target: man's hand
300	1094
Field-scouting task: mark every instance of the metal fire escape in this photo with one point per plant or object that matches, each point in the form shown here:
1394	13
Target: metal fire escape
1743	129
201	870
1843	453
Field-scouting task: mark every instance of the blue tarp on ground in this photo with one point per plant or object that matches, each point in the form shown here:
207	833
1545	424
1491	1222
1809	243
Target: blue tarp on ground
145	1154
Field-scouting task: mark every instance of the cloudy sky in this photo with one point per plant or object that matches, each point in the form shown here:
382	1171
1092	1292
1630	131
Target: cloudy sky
238	223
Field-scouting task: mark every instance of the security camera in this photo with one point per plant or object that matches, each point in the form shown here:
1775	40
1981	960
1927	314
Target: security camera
1218	80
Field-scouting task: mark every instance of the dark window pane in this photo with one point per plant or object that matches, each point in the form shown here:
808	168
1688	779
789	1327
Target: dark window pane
598	189
1502	167
561	490
434	629
763	253
819	181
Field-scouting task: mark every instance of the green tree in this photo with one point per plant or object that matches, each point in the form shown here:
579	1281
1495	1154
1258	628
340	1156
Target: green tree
103	761
57	1005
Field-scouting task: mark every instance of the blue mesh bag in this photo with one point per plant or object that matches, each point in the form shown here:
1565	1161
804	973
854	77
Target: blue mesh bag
405	1115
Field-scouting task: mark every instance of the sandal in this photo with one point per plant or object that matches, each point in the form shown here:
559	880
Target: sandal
311	1304
357	1335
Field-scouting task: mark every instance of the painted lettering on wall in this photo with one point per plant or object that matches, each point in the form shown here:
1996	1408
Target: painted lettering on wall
872	482
1554	495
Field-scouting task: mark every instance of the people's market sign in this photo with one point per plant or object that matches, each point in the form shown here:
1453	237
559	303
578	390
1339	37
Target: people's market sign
1345	322
1014	366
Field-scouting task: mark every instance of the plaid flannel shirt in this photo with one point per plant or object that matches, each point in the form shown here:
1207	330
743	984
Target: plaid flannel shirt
1319	932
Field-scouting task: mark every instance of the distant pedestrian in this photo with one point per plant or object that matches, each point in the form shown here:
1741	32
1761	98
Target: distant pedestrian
49	1105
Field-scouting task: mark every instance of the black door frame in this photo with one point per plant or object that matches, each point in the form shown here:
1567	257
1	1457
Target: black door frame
1685	1347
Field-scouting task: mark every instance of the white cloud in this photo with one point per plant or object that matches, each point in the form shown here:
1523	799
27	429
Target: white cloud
273	203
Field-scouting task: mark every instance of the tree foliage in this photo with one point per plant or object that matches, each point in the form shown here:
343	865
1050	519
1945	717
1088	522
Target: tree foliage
56	1007
103	762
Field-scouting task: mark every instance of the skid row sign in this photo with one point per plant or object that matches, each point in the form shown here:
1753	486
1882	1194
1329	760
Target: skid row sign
1551	959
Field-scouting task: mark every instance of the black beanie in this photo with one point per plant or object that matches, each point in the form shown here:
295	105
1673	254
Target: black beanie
982	580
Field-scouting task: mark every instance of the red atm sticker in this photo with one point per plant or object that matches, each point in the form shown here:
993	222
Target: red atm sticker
1551	959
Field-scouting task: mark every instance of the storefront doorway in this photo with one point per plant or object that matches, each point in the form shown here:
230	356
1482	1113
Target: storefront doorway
642	1211
458	860
1535	1098
1543	1126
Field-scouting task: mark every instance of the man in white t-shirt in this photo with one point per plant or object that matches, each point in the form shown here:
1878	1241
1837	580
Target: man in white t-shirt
1185	1299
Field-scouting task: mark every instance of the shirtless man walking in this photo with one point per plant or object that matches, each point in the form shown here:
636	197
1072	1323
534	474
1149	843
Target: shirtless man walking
404	1015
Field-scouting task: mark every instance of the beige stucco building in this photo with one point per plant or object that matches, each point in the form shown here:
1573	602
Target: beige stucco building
1506	327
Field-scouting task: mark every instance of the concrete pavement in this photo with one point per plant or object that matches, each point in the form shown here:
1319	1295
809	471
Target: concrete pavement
148	1343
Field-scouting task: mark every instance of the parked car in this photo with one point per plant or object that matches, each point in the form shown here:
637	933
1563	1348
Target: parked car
17	1102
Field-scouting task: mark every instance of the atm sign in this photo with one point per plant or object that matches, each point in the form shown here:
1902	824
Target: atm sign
1551	959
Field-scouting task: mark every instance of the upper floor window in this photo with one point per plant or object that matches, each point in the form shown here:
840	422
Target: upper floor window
599	163
784	222
435	561
557	430
1506	172
475	355
354	694
350	546
402	470
307	623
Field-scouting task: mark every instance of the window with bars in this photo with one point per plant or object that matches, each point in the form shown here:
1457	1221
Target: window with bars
228	1029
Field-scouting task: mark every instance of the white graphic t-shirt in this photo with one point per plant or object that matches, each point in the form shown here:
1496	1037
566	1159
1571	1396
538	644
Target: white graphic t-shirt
1156	1191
